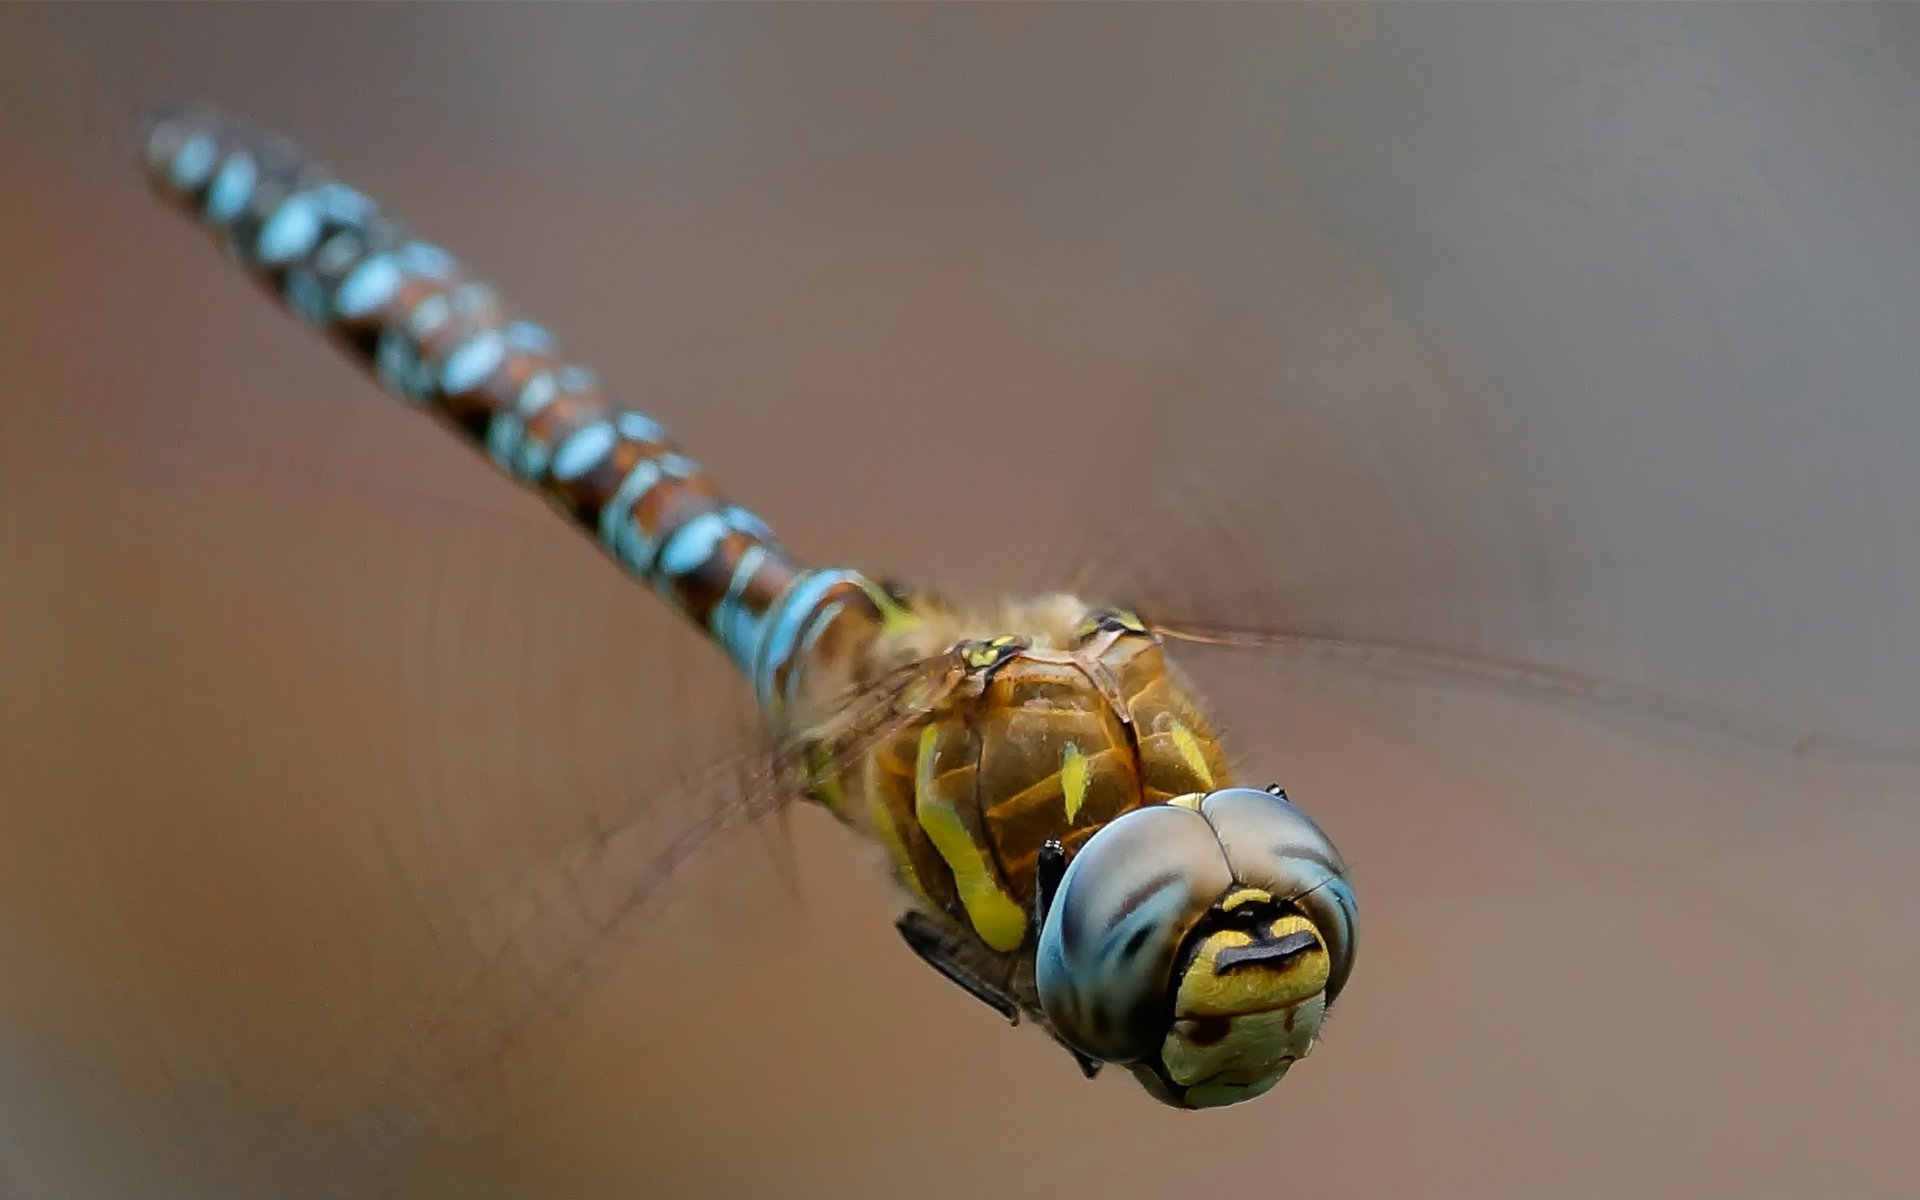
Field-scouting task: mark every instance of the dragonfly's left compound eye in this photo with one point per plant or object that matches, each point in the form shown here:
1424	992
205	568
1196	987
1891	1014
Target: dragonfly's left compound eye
1200	943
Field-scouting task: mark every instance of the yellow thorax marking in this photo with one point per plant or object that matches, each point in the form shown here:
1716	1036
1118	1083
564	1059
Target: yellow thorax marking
1188	744
995	917
882	820
1073	779
1124	618
990	653
894	616
823	780
981	656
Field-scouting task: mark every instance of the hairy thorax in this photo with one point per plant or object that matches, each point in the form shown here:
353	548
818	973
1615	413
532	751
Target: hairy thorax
1002	729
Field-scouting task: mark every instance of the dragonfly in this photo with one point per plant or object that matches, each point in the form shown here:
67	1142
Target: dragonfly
1044	776
1049	789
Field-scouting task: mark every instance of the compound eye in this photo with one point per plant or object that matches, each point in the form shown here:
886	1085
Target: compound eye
1127	902
1272	845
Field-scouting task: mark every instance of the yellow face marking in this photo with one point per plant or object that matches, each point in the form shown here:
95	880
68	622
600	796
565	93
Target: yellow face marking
1190	752
1073	779
1245	896
1206	993
995	917
1235	1035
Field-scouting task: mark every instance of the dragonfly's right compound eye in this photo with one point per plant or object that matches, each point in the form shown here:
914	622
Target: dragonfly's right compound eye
1199	943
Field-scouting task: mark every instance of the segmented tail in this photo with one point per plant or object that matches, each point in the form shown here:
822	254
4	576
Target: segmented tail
435	338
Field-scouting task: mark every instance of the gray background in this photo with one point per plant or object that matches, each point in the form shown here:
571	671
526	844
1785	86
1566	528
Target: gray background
1576	335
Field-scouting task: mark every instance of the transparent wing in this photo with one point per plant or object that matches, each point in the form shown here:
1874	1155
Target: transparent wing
535	789
1728	568
1597	667
445	758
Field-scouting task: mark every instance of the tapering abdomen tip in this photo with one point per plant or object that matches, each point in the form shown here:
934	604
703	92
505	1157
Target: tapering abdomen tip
177	142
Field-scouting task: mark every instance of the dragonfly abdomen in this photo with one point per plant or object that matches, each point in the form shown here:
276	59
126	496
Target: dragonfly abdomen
436	338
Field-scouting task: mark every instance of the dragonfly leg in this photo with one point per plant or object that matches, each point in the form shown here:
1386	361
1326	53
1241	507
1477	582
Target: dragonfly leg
936	948
1088	1066
1047	875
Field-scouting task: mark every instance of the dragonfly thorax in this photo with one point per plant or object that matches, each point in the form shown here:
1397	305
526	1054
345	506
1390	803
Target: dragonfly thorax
1039	722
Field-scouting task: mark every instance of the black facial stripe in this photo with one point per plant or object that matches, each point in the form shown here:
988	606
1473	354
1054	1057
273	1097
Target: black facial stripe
1276	953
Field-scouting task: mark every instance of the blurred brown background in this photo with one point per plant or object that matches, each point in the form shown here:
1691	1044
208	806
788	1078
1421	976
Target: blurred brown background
1579	335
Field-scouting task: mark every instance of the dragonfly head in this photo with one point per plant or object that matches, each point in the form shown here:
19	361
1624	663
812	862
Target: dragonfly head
1199	943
